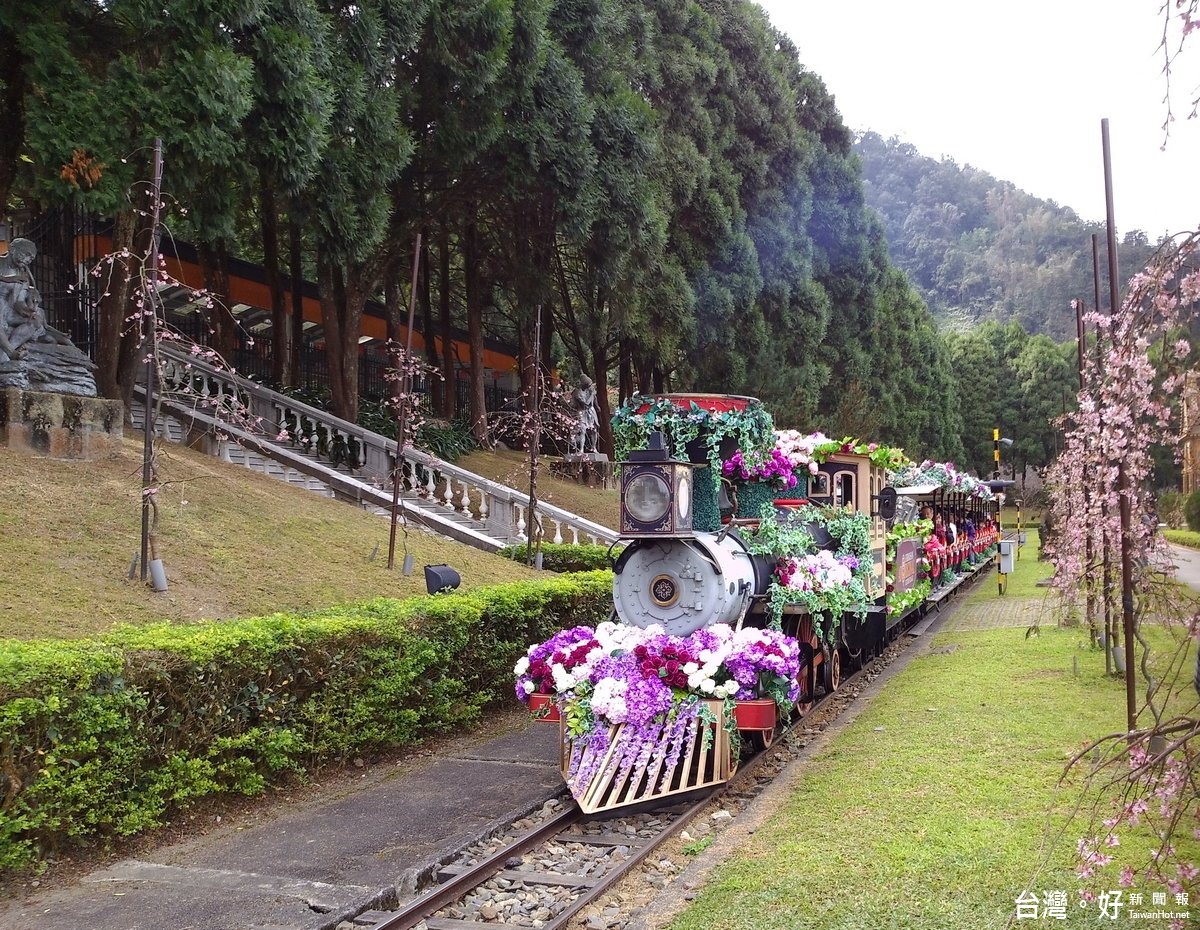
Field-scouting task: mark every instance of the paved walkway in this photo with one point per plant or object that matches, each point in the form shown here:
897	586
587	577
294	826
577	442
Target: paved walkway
1000	611
997	613
1187	566
311	863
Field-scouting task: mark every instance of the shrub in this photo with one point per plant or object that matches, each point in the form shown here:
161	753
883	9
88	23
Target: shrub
565	557
108	738
1191	511
1170	509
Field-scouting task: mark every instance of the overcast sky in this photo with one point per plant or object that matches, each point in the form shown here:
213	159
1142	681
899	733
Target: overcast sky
1018	89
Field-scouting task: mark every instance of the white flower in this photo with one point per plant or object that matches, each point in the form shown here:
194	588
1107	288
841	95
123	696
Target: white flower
522	666
608	700
528	687
563	680
690	668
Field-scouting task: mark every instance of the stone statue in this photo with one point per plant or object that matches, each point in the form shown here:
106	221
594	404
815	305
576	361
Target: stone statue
587	430
33	354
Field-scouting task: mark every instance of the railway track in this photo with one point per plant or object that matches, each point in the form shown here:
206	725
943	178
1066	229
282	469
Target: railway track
559	872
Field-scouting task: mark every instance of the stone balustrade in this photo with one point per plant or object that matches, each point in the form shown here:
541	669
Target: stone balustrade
283	420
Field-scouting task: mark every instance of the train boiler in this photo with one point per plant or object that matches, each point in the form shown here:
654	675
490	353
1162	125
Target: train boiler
670	574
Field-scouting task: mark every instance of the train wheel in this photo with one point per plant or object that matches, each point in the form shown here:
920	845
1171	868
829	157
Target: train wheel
762	739
832	667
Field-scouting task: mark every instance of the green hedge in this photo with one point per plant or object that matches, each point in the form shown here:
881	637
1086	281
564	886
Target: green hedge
564	557
107	738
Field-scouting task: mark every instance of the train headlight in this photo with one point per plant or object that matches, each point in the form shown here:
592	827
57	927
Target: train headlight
647	498
656	493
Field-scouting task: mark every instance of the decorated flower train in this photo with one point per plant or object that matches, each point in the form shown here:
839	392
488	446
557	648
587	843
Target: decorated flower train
757	561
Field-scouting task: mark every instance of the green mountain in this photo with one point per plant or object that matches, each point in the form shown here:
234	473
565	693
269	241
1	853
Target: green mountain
978	248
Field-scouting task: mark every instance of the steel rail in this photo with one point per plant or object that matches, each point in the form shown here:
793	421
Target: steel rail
454	888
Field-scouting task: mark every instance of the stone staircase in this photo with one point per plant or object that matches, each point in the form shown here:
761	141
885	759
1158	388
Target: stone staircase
247	424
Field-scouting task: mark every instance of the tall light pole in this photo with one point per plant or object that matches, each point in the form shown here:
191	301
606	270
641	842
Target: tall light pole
996	440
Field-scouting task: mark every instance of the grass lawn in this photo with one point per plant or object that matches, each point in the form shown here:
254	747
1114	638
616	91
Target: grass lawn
1183	538
234	543
1023	582
933	809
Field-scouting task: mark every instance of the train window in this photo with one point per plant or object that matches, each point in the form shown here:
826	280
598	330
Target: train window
818	485
844	493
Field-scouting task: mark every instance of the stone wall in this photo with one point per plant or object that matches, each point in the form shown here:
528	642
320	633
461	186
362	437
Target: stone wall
62	426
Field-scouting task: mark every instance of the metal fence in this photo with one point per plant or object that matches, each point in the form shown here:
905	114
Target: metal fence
67	238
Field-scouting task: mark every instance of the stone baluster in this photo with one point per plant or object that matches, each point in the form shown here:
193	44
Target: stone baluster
465	499
558	536
448	494
520	509
430	488
574	535
414	483
483	505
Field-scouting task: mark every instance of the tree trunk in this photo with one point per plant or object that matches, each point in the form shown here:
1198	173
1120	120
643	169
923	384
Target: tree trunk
113	307
547	359
331	322
449	373
437	387
350	299
475	300
625	371
281	324
525	361
214	266
395	333
13	69
603	410
645	372
297	269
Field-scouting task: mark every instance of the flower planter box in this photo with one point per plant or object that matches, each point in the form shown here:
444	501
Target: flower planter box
757	714
756	719
543	708
609	785
713	403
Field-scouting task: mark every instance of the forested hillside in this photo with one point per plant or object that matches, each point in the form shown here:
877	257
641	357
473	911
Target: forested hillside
662	179
977	248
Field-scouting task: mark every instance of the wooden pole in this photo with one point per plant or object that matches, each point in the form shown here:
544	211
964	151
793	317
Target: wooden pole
402	407
149	352
1122	475
535	439
1110	637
